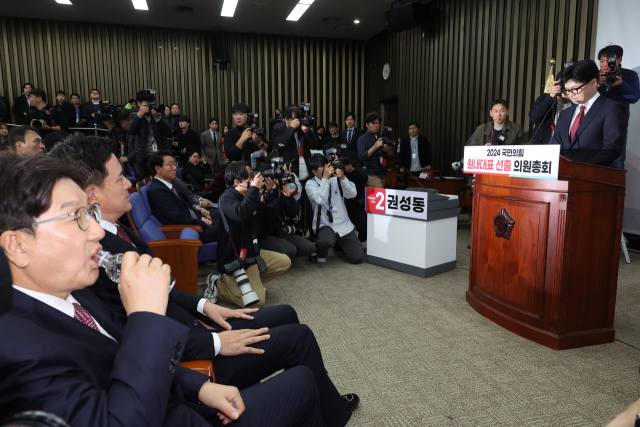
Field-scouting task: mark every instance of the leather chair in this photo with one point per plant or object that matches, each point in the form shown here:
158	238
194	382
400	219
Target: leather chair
181	254
203	366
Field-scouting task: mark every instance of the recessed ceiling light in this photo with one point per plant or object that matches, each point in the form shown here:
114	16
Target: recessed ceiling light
140	4
229	8
357	21
306	2
297	12
63	1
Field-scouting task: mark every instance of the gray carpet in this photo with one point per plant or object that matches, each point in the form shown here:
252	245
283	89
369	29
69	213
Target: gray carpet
418	355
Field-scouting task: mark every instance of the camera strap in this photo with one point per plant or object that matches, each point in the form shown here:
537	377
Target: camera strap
256	249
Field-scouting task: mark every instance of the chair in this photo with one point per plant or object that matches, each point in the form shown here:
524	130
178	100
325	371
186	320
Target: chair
131	174
208	252
180	174
203	366
181	254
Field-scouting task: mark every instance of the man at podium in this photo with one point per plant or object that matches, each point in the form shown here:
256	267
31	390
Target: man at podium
594	129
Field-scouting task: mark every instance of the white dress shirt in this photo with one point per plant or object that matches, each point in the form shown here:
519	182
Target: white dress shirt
111	228
302	165
415	156
587	105
65	306
167	183
318	191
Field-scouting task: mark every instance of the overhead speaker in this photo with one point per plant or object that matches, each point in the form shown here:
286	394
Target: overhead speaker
405	17
218	47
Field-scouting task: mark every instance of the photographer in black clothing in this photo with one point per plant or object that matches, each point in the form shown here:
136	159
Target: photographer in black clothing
42	116
241	261
545	112
294	142
279	232
241	141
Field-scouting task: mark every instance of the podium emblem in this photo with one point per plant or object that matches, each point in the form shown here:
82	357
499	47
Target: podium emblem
503	224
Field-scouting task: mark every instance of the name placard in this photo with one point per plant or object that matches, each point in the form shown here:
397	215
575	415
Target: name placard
410	204
520	161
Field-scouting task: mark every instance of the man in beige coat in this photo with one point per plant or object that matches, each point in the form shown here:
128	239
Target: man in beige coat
212	145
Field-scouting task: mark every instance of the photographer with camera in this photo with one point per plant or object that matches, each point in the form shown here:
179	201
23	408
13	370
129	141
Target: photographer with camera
499	132
619	84
327	192
44	117
150	129
91	108
245	138
243	265
293	139
545	112
279	232
374	150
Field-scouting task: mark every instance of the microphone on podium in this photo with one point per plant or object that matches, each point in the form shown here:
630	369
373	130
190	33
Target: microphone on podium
411	175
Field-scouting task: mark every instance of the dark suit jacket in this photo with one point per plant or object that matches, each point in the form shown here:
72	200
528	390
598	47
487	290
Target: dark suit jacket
169	208
88	108
284	142
20	106
600	137
197	173
68	111
52	362
424	152
352	149
182	307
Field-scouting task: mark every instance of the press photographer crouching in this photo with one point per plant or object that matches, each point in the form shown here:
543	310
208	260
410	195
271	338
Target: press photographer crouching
279	230
243	265
331	224
356	174
44	117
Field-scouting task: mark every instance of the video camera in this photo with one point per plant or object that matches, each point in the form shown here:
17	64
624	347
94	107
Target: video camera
614	72
251	125
108	112
385	140
304	117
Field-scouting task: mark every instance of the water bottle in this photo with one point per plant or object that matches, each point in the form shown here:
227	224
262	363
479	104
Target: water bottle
111	264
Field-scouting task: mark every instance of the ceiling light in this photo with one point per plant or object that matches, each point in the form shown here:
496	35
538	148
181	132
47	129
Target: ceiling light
306	2
229	8
297	12
357	21
63	1
140	4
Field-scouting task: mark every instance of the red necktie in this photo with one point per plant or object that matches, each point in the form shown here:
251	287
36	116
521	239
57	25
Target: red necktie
577	121
123	235
84	317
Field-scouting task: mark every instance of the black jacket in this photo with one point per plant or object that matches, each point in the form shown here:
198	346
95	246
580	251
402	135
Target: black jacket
329	141
197	173
169	208
68	111
424	152
89	108
600	136
3	109
541	115
73	123
242	217
359	177
174	123
234	153
182	306
284	142
271	218
190	140
139	128
20	107
352	149
54	118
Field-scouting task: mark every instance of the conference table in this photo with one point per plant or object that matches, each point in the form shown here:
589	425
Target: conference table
445	185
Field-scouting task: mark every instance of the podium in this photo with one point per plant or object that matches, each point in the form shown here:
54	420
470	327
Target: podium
413	230
545	254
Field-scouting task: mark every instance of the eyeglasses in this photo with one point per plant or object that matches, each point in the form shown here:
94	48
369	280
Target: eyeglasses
83	217
171	165
573	91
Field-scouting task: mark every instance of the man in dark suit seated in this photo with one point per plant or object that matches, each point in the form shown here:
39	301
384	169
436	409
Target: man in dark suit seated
350	137
415	150
215	332
62	351
168	206
594	129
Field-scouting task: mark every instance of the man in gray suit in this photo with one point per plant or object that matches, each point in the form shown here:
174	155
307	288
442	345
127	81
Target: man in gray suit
212	145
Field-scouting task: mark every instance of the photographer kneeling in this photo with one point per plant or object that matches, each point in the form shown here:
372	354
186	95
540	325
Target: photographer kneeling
278	230
326	192
243	266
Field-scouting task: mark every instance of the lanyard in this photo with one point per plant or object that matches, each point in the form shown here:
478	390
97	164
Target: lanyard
330	205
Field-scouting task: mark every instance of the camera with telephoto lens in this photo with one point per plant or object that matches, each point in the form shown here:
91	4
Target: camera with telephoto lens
251	120
107	112
237	268
39	117
306	119
614	71
151	99
285	230
385	139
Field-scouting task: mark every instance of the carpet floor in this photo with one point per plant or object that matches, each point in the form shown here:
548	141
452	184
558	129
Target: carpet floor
418	355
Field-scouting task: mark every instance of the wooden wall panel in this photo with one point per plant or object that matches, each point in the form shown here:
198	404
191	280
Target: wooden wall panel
472	52
266	71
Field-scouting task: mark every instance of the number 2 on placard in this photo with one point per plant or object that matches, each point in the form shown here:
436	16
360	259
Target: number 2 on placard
380	204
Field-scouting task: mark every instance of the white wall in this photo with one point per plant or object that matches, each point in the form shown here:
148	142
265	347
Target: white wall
618	24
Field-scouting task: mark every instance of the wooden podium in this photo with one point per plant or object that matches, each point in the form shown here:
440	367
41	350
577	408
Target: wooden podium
544	254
